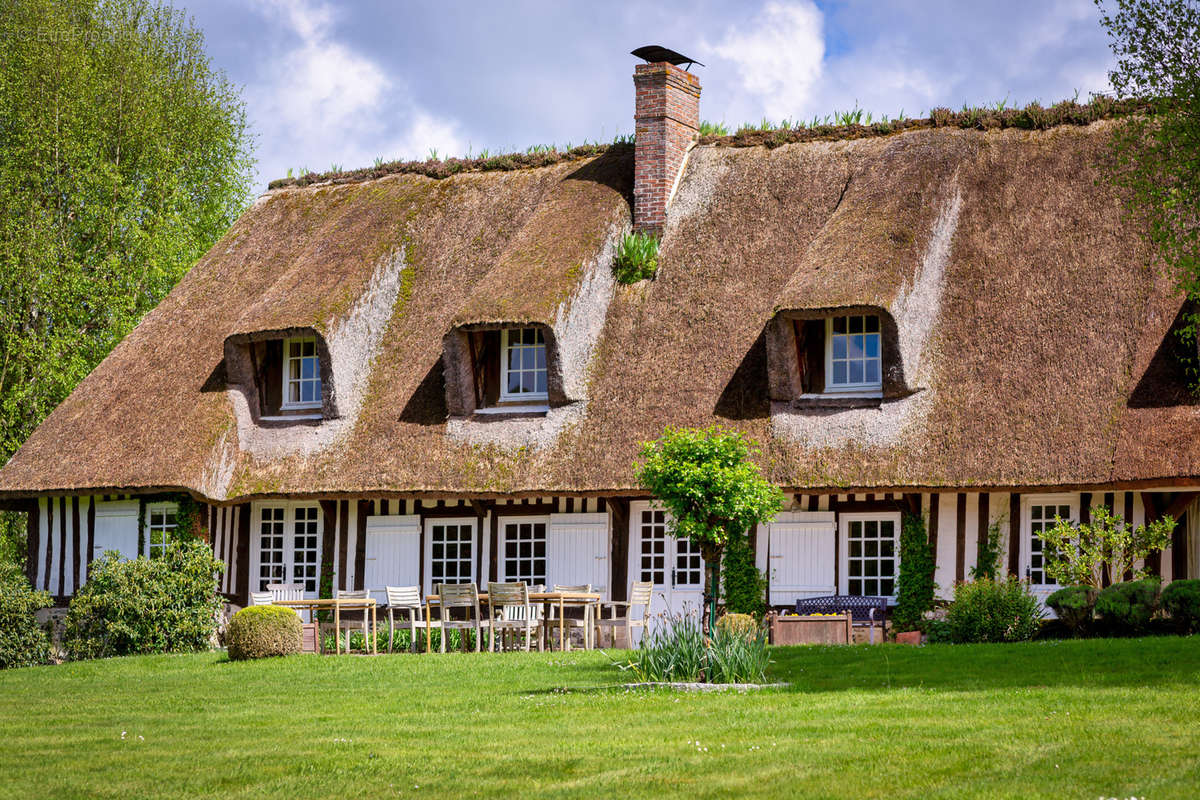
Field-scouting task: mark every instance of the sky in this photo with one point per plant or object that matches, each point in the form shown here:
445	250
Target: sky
346	83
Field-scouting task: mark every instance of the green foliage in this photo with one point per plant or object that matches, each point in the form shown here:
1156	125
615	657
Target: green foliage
23	643
713	490
1157	156
1077	555
708	128
677	650
993	611
744	586
263	631
742	624
159	605
988	566
1128	607
1074	606
123	158
1181	600
914	585
637	258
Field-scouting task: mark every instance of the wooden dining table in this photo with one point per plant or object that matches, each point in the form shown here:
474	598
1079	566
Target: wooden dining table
587	600
337	604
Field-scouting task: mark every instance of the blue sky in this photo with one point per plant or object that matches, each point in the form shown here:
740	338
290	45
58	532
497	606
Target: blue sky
347	82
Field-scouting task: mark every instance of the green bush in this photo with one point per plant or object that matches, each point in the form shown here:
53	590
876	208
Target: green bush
1128	607
1181	599
741	624
637	258
993	611
744	587
167	604
914	585
1074	606
263	631
23	643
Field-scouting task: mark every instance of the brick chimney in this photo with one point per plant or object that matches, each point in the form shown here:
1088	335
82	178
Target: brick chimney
667	118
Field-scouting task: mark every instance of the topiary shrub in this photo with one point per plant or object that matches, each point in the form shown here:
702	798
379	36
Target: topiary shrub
1074	606
738	624
743	586
1181	599
263	631
993	611
1128	607
914	585
167	604
23	643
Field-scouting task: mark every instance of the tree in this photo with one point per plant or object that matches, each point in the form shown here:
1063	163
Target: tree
123	157
914	586
715	494
1078	555
1157	156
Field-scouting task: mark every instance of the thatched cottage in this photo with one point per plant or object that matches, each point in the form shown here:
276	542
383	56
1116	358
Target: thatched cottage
428	374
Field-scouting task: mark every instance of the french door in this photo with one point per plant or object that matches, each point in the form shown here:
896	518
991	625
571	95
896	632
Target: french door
673	565
286	546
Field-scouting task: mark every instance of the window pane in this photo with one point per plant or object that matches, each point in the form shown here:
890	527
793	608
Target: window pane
540	362
871	373
871	346
856	372
856	324
514	383
839	324
872	324
308	368
839	372
839	347
854	346
541	382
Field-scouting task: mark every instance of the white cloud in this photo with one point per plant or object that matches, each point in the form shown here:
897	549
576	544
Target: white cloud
320	103
778	56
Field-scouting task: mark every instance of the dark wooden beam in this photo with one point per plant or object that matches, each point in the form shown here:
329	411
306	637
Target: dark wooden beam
360	549
618	564
1014	533
32	543
984	521
960	538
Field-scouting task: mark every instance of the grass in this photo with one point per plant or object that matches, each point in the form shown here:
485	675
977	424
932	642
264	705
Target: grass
1093	718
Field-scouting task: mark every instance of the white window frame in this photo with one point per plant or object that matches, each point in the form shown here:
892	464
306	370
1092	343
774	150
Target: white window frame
473	559
288	380
289	550
505	346
159	508
863	387
503	559
1027	503
844	521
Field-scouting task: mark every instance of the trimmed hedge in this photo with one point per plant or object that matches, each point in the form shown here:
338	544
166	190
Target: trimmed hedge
23	643
263	631
167	604
1128	607
1074	606
993	611
1181	599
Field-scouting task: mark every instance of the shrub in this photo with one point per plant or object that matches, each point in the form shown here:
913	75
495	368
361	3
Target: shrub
745	588
740	624
914	585
988	566
637	258
23	643
1074	606
1079	554
677	650
263	631
1181	599
1127	607
993	611
167	604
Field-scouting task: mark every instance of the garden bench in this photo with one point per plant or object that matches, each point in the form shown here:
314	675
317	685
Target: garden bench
863	610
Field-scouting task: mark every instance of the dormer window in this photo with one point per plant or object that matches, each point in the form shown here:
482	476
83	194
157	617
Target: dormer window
852	361
301	373
522	366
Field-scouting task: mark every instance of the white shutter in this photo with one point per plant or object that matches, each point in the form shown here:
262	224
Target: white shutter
116	528
393	553
802	555
577	550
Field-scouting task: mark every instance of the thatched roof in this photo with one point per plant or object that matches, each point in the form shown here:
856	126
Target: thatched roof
1031	318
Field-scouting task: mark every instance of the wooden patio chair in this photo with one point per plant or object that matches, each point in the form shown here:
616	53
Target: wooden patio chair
261	598
463	596
288	591
407	599
640	594
584	621
509	609
350	624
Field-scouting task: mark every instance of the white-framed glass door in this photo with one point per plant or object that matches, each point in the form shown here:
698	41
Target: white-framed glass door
523	552
870	553
1038	513
673	565
285	545
450	554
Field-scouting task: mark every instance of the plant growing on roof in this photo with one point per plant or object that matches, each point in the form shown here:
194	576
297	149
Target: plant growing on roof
637	258
1078	555
714	492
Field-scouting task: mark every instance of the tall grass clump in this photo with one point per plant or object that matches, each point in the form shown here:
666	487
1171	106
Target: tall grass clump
676	650
637	258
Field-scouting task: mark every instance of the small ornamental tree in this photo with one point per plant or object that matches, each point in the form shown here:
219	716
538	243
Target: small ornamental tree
714	492
1077	555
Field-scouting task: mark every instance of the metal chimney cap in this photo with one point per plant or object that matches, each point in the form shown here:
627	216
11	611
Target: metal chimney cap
654	53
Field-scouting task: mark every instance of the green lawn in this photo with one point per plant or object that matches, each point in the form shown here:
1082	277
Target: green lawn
1104	718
